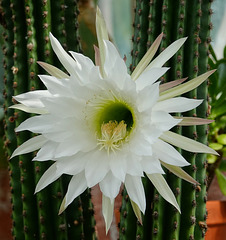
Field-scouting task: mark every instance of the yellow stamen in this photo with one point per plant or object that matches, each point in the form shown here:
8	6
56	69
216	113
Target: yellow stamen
112	135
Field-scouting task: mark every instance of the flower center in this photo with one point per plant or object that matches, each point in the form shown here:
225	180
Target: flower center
112	135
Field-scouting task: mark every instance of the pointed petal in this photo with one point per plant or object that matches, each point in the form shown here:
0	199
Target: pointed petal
169	154
189	121
110	185
185	87
30	145
186	143
162	187
147	58
97	55
178	104
107	210
102	34
151	165
76	187
179	172
29	109
135	190
53	70
137	211
66	60
164	56
165	86
149	77
144	101
49	176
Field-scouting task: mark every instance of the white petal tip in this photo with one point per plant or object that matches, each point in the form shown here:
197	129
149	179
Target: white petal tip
62	206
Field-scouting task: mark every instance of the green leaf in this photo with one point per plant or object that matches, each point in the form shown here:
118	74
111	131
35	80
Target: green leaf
211	158
221	139
221	181
216	146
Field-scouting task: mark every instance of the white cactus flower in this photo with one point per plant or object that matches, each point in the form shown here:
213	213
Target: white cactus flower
102	126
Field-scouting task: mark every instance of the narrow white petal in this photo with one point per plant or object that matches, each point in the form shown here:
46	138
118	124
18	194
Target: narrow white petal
178	104
147	58
46	152
66	60
189	121
135	191
76	187
149	77
186	143
165	86
151	165
108	211
185	87
148	97
162	187
164	56
180	173
114	162
53	70
96	168
49	176
168	154
56	86
102	35
29	109
30	145
110	185
114	66
137	211
36	124
163	121
134	167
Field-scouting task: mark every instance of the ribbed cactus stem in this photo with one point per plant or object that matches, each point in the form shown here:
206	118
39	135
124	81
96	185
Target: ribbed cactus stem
140	32
128	220
202	131
188	202
10	142
21	85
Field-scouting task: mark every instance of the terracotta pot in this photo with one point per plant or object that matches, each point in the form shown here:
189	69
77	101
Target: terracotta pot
216	220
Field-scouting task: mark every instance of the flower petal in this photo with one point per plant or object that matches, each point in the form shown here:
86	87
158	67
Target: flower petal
148	97
135	191
76	187
66	60
186	143
164	56
162	187
180	173
185	87
168	154
107	210
165	86
29	109
189	121
102	35
149	77
151	165
178	104
53	70
110	185
146	58
137	211
30	145
49	176
46	152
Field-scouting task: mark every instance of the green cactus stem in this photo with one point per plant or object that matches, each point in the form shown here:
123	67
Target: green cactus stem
202	131
10	141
